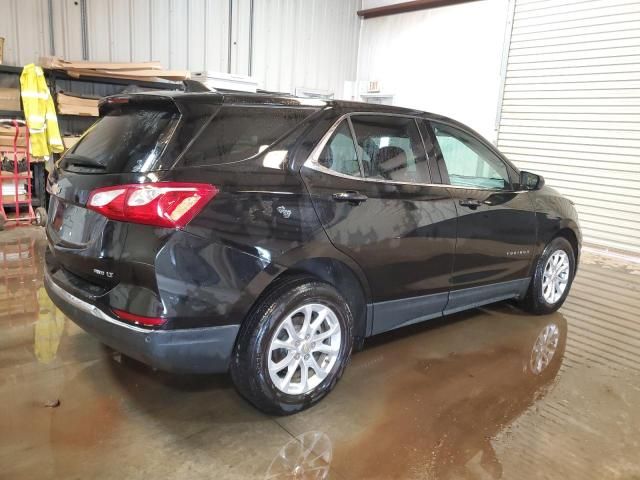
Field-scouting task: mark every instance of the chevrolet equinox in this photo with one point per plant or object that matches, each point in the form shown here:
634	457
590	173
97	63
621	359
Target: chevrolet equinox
269	235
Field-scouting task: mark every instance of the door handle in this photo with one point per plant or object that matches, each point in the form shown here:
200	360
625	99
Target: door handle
472	203
350	196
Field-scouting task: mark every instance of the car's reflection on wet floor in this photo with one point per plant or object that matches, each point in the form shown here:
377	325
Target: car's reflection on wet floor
491	393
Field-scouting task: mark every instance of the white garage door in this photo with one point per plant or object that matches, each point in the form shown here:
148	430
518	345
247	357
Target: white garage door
571	108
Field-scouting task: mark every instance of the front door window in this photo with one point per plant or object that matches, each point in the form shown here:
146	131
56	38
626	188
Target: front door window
470	163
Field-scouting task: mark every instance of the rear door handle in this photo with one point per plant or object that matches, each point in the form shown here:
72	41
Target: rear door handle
472	203
350	196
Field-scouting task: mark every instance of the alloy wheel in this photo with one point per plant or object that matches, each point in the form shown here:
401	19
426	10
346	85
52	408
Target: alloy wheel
304	348
555	277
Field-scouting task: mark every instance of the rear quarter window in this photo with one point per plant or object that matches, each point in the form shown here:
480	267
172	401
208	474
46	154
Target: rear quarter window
237	133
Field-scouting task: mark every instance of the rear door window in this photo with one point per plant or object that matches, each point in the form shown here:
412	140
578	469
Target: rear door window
240	132
339	154
127	139
391	148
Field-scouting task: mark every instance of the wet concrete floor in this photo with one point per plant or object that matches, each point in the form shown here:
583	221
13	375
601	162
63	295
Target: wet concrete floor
492	393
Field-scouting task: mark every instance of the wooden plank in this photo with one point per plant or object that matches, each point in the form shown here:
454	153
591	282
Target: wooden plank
9	199
82	110
56	62
407	7
70	141
167	74
146	75
7	177
71	105
9	131
9	99
7	141
73	100
95	74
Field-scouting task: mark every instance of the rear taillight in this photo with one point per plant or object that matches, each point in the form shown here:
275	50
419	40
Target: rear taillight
162	204
140	319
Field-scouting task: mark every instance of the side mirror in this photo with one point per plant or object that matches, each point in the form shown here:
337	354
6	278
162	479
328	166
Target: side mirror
531	181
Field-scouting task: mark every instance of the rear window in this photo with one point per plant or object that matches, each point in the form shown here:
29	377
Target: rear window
125	140
239	132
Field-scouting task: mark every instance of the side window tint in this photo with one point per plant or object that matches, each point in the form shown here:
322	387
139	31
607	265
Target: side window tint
236	133
469	163
391	148
339	154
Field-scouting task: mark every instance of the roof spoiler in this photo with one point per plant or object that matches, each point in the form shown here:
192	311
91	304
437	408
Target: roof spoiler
161	99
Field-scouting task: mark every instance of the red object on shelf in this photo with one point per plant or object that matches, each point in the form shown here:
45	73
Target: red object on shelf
24	213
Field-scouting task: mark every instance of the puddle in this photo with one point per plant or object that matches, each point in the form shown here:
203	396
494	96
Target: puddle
488	394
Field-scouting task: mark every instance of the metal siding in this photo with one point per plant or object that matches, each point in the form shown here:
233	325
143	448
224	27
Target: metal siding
571	108
67	29
190	35
311	44
141	31
99	29
25	26
240	40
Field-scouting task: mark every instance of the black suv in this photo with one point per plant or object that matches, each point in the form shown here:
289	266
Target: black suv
270	235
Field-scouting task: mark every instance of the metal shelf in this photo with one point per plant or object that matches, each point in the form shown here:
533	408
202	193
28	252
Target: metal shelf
18	114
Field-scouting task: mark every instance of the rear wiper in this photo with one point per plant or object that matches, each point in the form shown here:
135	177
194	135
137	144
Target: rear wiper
82	161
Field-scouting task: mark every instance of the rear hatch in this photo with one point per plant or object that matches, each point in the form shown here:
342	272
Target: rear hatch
137	138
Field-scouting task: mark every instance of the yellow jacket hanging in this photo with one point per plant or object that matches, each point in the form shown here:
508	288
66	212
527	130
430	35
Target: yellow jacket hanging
39	112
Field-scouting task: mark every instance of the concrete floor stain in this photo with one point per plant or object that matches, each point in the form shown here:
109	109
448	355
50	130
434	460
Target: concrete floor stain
487	394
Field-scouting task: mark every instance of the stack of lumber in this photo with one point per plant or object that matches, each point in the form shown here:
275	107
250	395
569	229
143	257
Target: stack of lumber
9	187
9	99
6	138
148	71
76	105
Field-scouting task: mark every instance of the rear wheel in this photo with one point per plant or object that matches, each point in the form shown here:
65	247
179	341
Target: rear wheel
552	278
293	348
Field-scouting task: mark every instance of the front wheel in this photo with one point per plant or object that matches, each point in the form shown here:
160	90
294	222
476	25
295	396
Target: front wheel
552	278
293	348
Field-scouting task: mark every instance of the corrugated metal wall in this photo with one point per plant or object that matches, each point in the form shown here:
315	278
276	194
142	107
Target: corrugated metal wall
191	35
319	38
571	108
311	43
25	26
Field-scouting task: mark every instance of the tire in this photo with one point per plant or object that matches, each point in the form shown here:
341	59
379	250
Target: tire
253	356
41	216
537	299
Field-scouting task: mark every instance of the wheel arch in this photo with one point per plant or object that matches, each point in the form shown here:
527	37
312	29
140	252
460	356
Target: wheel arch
335	272
572	238
342	277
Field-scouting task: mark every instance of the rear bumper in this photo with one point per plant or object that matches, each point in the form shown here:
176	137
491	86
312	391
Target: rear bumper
193	350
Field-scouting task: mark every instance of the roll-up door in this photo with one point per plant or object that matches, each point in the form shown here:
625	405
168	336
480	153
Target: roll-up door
571	109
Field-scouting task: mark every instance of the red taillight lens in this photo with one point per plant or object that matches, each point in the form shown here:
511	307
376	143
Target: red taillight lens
162	204
139	319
